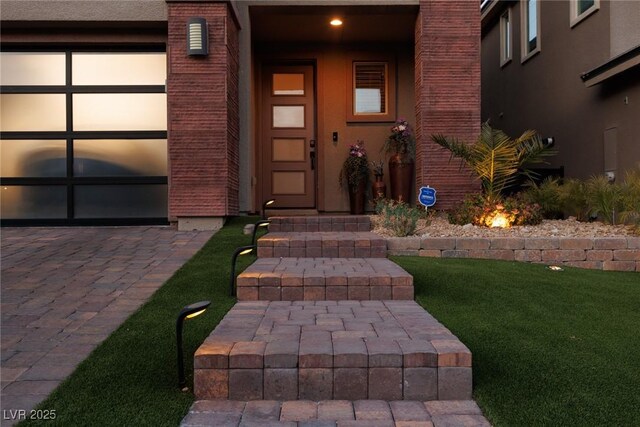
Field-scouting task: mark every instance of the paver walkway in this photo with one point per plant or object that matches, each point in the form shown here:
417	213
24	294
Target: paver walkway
332	413
323	323
64	290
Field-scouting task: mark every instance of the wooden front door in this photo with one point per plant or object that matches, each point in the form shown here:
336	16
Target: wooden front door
287	142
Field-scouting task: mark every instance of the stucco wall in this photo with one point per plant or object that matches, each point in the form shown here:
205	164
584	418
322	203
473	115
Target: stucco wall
334	83
546	92
625	25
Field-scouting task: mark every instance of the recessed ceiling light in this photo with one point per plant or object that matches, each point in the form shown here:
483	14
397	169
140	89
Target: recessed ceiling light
336	22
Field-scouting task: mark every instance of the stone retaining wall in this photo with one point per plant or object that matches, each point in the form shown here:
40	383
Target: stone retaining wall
611	253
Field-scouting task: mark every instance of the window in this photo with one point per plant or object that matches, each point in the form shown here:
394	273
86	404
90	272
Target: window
505	38
83	137
530	28
580	9
371	90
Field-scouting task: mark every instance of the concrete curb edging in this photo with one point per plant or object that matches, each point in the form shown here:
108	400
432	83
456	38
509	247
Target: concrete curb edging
601	253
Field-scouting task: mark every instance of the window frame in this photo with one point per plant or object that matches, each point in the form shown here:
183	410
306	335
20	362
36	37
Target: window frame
575	18
506	55
390	84
527	54
69	135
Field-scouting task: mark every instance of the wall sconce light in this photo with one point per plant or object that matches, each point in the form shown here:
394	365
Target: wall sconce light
549	141
197	37
242	250
261	223
188	312
264	206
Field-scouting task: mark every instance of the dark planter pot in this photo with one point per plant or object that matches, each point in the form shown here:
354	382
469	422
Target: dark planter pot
357	198
401	177
379	188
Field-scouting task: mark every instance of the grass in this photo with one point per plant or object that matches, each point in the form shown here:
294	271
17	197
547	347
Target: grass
549	348
131	379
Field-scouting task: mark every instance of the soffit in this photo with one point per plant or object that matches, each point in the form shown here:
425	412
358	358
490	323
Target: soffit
310	24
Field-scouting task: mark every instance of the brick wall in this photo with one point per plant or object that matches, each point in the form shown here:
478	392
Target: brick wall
447	86
203	114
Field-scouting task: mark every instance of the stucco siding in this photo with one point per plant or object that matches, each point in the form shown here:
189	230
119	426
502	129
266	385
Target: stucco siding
546	94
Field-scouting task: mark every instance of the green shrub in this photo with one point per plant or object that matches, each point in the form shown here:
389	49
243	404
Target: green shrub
398	217
476	209
604	198
547	195
630	195
470	208
573	198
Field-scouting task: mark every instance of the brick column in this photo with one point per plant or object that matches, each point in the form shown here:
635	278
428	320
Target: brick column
447	67
203	124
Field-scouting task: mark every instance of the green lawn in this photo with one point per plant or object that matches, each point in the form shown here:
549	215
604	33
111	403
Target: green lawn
549	348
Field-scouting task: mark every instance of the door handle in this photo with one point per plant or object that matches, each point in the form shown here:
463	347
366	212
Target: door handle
312	153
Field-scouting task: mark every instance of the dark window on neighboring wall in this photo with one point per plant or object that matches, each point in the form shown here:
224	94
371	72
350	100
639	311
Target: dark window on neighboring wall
580	9
506	37
531	28
84	136
584	5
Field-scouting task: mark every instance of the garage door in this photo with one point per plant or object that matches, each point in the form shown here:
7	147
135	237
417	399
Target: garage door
84	137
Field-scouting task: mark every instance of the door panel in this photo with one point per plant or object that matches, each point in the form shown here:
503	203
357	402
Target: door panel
288	135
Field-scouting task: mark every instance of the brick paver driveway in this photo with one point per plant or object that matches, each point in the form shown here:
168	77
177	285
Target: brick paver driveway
64	290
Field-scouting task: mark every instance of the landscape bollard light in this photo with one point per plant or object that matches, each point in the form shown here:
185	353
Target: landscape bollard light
261	223
264	207
242	250
188	312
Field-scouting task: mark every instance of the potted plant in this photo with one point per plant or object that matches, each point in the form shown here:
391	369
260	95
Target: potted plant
355	173
378	188
401	145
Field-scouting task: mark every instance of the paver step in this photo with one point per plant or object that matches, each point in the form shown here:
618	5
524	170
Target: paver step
334	244
324	350
312	279
320	223
332	413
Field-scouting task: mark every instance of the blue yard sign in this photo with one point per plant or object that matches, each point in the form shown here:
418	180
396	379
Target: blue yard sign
427	196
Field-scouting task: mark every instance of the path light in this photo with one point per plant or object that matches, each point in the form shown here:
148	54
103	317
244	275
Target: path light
261	223
264	207
242	250
188	312
555	268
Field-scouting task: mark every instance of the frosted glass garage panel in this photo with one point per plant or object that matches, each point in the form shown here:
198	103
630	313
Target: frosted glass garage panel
31	112
288	150
33	158
119	111
120	157
288	182
288	116
120	201
33	202
288	84
32	69
119	68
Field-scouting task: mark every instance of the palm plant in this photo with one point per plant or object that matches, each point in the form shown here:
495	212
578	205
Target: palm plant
604	198
495	158
573	199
